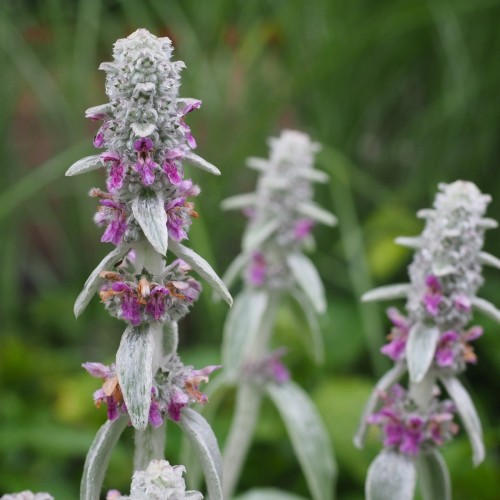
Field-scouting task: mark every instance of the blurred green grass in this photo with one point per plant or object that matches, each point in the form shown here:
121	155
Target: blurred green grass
402	93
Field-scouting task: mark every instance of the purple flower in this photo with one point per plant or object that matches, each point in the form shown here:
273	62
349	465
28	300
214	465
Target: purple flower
112	214
432	298
156	305
143	145
303	228
468	351
413	435
192	382
179	214
192	105
462	302
116	174
177	402
170	166
446	348
257	269
155	417
398	337
145	166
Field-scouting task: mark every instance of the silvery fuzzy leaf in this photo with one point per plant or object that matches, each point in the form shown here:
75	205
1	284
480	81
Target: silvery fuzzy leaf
469	416
86	164
486	259
257	234
97	459
486	308
316	213
433	476
389	292
239	201
308	279
246	415
100	109
391	476
260	164
308	435
387	380
413	242
203	268
267	494
134	367
94	280
235	269
442	267
108	67
149	211
420	350
487	223
314	175
242	326
201	163
143	129
318	346
202	438
425	213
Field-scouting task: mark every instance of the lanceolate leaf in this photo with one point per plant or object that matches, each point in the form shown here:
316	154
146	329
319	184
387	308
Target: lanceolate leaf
257	234
317	213
433	476
413	242
86	164
486	308
314	175
149	211
202	438
201	163
241	328
96	462
94	280
134	366
235	269
469	416
486	259
308	279
203	268
420	349
239	201
308	435
391	476
390	378
318	347
389	292
268	494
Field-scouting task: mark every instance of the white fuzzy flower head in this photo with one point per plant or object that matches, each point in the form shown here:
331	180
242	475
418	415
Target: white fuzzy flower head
27	495
161	481
446	271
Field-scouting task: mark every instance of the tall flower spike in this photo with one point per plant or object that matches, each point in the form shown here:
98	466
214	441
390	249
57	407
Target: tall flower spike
281	216
145	211
433	341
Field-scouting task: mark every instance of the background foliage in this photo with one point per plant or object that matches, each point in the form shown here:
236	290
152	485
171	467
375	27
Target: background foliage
403	94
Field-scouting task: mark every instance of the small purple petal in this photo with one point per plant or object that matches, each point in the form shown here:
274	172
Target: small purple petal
131	310
394	349
431	303
173	175
473	333
174	154
257	270
397	319
155	418
178	401
191	105
98	370
144	144
115	231
113	413
303	228
433	283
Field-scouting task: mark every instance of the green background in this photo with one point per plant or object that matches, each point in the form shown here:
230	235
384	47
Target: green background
403	94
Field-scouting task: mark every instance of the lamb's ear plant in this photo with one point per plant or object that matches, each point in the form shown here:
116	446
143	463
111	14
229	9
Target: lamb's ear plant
431	344
273	265
145	212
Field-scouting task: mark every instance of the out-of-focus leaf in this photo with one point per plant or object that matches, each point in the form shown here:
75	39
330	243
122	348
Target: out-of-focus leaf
433	476
86	164
267	494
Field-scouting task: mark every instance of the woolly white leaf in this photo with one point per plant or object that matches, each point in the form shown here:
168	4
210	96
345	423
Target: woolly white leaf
101	109
308	435
316	213
143	129
86	164
260	164
420	349
469	416
202	438
388	379
267	494
201	163
235	269
486	259
433	476
149	211
96	462
257	234
308	279
487	223
239	201
389	292
391	476
94	280
409	241
318	346
314	175
241	328
134	367
486	308
203	268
